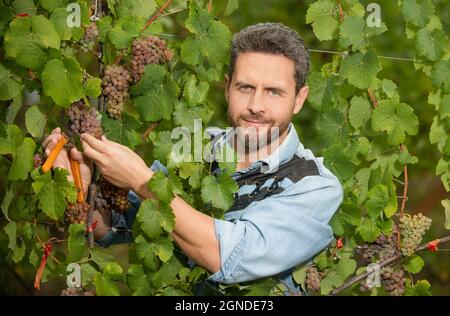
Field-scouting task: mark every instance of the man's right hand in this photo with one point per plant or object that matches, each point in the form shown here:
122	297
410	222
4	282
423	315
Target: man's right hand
62	161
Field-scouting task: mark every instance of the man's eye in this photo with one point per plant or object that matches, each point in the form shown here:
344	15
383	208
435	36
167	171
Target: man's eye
245	89
274	93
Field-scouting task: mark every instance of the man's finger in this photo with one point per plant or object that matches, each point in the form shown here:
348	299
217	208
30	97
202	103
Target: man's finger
93	142
49	139
91	153
110	142
76	155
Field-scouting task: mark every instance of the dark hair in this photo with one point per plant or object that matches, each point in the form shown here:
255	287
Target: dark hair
272	38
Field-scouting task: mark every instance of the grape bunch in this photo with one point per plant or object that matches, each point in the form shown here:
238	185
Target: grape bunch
412	229
37	160
74	291
313	277
90	37
84	120
148	50
393	281
384	247
77	213
116	82
111	197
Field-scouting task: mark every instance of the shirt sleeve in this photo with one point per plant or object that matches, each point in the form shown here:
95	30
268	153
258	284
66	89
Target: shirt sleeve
121	224
279	232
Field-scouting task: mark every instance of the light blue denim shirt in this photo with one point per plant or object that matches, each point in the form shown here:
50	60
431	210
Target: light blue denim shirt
271	236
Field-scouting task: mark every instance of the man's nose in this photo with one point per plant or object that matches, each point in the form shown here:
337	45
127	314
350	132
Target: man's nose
256	103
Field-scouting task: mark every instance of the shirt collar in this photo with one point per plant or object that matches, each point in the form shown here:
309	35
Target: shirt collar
270	164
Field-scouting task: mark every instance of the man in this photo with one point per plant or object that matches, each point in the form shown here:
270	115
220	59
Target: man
286	197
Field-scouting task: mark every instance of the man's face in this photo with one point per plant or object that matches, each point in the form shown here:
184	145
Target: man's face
261	97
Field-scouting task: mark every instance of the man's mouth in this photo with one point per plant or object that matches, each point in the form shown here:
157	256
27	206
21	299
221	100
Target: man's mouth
256	123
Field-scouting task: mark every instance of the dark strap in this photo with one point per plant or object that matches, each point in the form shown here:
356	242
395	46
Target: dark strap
295	169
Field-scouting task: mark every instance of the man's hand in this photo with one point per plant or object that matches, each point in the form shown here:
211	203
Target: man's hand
62	161
118	164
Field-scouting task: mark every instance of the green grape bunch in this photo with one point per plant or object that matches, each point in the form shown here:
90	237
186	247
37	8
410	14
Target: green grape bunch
412	229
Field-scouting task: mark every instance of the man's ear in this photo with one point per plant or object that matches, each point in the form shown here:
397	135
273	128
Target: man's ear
227	84
300	99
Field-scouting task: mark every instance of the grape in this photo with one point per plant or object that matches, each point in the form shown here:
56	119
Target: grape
384	247
90	37
393	281
115	87
109	196
77	213
313	277
148	50
37	160
84	120
73	291
412	229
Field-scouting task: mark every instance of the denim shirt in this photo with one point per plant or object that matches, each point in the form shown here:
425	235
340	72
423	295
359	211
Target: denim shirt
271	236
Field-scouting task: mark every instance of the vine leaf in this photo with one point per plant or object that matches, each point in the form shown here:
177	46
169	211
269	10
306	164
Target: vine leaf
28	38
76	242
146	252
355	33
322	16
135	8
193	93
138	281
417	12
9	85
395	118
125	30
62	81
446	205
210	38
359	111
440	75
122	130
155	218
414	264
431	44
155	94
361	69
104	286
164	187
92	87
219	191
35	121
15	244
52	193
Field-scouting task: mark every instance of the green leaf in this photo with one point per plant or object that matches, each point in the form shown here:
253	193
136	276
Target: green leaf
361	69
51	5
156	93
333	129
6	15
232	6
155	218
10	86
321	91
185	116
359	111
210	39
167	273
62	81
446	205
104	286
193	171
421	288
414	264
100	257
113	271
389	87
59	20
35	121
135	8
22	160
440	75
76	242
164	248
397	119
161	186
299	276
219	191
123	130
88	273
125	30
17	249
368	230
417	12
431	44
163	144
444	107
52	193
10	139
193	93
338	162
93	87
138	281
146	252
438	135
322	16
354	33
378	201
27	39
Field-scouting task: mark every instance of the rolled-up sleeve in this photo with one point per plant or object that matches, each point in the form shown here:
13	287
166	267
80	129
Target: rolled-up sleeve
279	232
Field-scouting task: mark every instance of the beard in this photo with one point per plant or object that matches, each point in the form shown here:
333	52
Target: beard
256	138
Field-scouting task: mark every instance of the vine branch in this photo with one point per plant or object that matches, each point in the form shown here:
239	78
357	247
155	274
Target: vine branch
382	264
155	16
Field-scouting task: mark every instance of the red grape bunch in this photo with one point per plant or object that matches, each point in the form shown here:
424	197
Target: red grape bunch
84	120
77	213
90	37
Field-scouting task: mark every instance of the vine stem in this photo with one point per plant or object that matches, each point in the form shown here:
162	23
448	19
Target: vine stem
153	18
372	98
209	5
150	129
404	198
341	13
382	264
